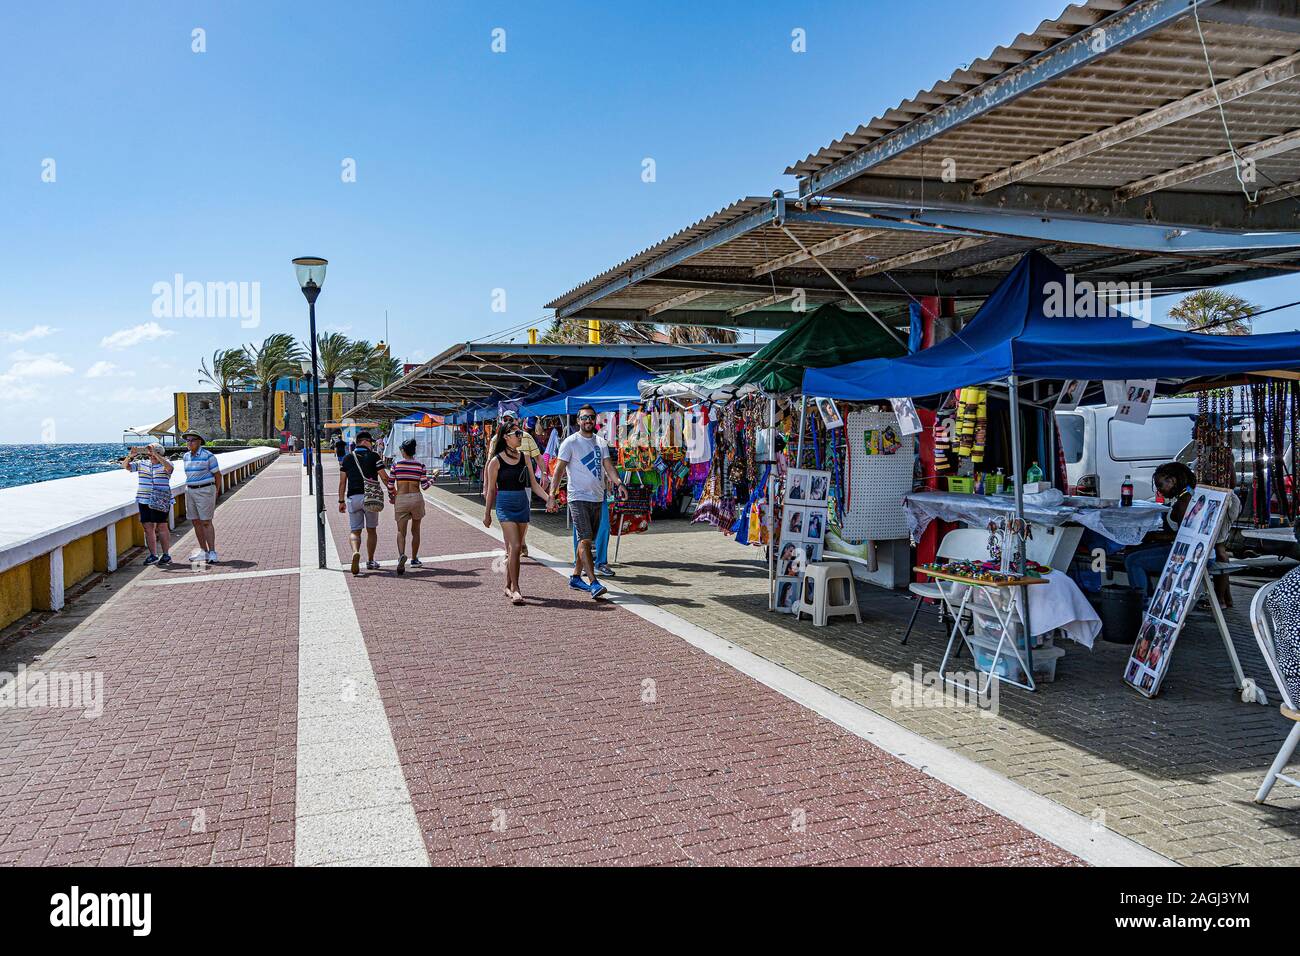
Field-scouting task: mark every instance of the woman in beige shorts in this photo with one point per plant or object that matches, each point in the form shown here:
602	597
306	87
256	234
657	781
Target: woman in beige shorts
408	478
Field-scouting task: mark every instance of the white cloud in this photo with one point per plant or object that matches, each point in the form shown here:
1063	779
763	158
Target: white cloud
125	338
130	395
103	369
21	382
35	332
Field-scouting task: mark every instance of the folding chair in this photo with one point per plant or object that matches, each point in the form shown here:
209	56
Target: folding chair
1261	623
962	544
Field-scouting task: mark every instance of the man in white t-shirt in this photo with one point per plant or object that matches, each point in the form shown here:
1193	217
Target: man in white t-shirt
584	457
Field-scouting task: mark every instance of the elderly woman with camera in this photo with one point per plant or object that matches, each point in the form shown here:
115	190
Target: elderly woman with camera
153	495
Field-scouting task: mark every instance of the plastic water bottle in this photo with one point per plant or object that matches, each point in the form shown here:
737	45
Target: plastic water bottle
1126	492
1034	474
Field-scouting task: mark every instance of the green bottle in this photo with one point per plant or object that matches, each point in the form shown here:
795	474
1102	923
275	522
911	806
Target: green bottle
1034	474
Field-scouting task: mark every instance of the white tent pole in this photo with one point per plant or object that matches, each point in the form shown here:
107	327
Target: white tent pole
771	507
1018	476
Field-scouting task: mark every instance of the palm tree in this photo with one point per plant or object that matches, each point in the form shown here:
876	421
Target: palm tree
230	368
332	360
278	355
384	370
700	334
574	331
1211	310
360	356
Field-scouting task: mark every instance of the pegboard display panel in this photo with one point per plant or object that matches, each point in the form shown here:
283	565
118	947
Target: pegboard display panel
879	473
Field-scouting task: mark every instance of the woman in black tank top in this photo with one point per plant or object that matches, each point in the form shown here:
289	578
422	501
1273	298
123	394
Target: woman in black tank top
512	477
507	482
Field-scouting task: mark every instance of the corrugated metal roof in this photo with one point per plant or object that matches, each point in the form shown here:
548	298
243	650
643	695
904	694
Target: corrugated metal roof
1136	84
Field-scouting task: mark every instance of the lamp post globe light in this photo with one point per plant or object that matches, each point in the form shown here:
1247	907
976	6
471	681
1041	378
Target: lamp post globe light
311	276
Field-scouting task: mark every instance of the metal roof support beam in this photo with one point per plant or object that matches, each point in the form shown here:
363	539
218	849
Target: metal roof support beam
690	295
821	248
1124	26
710	240
1091	216
764	302
1271	74
1274	193
1208	167
1000	263
916	256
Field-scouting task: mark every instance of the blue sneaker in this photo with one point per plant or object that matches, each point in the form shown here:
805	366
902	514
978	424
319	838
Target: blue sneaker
152	559
578	584
598	590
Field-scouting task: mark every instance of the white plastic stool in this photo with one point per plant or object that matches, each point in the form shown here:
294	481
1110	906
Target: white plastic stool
816	598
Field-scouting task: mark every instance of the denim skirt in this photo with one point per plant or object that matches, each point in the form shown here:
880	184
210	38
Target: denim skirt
512	506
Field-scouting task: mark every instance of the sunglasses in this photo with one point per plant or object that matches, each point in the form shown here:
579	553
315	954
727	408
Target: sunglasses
517	434
586	418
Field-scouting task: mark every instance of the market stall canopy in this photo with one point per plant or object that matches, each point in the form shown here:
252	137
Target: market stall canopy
1019	330
420	420
824	337
612	387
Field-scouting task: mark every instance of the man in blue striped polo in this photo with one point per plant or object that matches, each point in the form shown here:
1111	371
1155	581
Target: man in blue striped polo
201	477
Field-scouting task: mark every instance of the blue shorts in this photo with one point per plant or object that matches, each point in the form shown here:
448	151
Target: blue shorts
513	506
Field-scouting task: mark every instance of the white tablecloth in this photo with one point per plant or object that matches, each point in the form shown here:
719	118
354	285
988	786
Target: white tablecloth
1059	603
1126	526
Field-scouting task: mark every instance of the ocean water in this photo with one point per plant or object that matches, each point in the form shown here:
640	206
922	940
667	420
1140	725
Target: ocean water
23	464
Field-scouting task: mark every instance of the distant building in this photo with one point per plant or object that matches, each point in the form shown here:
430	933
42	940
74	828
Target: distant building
204	413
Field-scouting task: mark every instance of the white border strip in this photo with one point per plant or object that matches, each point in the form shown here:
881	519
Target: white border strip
1070	831
353	805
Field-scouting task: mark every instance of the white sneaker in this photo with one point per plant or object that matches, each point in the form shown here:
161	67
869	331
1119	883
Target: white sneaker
197	556
212	557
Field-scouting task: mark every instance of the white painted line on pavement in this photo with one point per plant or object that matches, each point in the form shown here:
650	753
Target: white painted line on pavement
265	498
195	577
352	798
1070	831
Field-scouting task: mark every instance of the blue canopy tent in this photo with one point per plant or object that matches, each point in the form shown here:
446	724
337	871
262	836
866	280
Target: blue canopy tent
1031	327
1019	333
615	385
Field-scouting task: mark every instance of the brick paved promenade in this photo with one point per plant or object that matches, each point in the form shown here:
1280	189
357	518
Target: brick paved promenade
1176	774
431	721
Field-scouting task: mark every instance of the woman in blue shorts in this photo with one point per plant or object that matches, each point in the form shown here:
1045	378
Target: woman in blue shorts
507	479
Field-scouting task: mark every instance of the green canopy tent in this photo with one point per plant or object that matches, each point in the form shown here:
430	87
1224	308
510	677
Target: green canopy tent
823	338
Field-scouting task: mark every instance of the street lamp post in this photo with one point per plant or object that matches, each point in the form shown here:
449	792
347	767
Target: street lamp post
311	276
308	459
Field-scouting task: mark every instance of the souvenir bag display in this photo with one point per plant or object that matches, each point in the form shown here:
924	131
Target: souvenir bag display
631	514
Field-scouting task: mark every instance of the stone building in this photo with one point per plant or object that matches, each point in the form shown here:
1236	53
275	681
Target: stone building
202	412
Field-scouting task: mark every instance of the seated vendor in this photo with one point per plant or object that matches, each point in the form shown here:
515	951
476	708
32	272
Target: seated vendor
1174	481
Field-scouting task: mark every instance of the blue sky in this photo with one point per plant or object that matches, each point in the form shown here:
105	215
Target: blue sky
475	170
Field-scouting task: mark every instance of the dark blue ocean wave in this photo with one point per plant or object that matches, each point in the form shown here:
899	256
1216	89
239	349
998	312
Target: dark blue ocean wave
24	464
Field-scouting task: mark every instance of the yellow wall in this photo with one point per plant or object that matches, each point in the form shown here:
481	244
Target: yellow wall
15	594
40	582
125	535
78	560
222	404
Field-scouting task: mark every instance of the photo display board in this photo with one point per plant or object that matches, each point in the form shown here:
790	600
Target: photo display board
1176	590
802	533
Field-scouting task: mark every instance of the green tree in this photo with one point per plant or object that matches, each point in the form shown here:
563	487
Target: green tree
278	356
231	368
1212	310
333	356
361	355
574	332
384	370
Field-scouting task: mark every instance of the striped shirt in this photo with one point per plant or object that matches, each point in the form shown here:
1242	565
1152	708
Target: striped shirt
201	468
151	476
408	469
